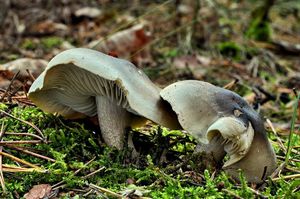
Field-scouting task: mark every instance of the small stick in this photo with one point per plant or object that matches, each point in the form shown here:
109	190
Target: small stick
293	169
232	193
31	153
93	173
26	102
283	158
2	131
10	84
275	133
231	84
4	143
77	171
88	193
26	122
287	177
296	189
1	172
21	169
16	90
278	170
1	169
19	160
109	192
30	75
275	173
25	134
19	97
257	193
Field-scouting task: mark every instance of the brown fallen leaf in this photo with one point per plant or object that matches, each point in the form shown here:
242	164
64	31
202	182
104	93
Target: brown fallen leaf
127	43
29	70
193	63
39	191
47	27
35	66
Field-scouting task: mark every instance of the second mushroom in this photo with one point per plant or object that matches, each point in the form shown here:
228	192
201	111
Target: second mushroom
224	123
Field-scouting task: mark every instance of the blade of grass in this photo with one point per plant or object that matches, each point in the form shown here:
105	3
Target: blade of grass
289	148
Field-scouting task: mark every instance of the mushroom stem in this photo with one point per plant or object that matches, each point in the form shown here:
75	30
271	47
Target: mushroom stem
113	120
214	148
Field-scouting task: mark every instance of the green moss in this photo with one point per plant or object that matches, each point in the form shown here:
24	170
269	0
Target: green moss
259	30
51	42
29	44
231	49
3	106
73	144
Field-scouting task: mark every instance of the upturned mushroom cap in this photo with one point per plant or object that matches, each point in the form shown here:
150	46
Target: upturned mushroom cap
75	77
206	111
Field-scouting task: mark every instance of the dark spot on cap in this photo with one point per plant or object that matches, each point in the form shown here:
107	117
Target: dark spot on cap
228	102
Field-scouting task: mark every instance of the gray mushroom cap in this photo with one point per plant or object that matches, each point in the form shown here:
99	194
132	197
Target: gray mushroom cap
74	77
206	111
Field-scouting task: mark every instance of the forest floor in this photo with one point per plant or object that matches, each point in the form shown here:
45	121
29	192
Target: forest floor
251	47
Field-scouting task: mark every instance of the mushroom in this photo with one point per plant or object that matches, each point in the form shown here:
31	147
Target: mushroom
82	82
224	123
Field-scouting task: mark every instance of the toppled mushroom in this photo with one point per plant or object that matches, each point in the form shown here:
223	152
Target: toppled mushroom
224	122
83	82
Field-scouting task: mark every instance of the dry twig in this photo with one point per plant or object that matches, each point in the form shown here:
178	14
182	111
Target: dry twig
276	135
25	134
294	176
93	173
9	86
31	153
107	191
4	143
60	184
19	160
1	168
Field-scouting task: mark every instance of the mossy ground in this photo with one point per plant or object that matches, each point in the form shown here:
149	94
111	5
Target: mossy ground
73	144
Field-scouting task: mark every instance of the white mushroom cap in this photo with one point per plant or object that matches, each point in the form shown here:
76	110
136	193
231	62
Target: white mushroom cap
194	105
74	77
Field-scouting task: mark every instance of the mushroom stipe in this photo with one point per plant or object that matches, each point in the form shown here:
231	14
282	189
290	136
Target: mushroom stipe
82	82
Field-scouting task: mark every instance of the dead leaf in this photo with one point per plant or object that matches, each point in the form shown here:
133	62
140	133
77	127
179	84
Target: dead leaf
193	63
35	66
125	44
48	27
39	191
8	70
